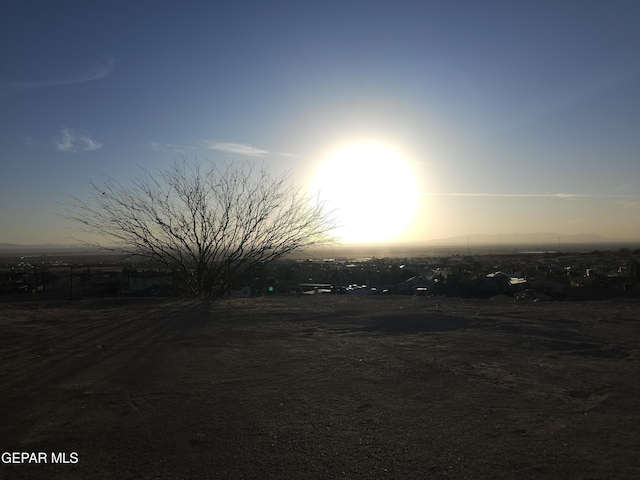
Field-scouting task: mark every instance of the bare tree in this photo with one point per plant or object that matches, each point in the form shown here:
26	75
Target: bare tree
207	224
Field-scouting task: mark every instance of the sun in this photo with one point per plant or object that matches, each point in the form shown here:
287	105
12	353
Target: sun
372	189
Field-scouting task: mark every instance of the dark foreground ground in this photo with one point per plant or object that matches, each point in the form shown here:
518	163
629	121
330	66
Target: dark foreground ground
322	387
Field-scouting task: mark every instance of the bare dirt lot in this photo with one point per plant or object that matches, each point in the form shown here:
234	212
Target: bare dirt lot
322	387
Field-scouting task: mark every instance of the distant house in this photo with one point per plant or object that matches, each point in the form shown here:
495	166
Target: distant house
312	288
509	283
416	285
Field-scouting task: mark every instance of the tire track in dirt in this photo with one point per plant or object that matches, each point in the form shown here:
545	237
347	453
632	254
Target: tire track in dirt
103	340
78	329
125	350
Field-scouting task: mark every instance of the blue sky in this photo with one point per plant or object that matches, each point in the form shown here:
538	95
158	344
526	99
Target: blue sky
514	116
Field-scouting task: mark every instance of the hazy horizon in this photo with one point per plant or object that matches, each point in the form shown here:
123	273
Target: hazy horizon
417	121
513	239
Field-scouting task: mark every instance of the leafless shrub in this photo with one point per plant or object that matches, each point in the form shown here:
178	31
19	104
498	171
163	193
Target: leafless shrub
207	224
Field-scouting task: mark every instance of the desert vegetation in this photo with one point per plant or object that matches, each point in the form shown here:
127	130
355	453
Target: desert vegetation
207	224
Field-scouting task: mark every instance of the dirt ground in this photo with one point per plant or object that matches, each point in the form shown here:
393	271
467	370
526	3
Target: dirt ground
321	386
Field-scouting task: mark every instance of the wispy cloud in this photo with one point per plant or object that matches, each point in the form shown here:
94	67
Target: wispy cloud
97	72
289	155
237	148
70	141
89	144
524	195
65	143
630	204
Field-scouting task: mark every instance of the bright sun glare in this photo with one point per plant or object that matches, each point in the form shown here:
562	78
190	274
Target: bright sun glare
372	189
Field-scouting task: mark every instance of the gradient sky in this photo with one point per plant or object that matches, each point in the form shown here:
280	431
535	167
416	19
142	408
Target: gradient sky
514	116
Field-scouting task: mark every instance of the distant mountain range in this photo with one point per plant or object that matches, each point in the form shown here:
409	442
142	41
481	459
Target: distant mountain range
517	238
501	239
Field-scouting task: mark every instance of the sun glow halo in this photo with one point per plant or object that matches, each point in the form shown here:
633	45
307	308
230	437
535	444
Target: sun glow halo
372	189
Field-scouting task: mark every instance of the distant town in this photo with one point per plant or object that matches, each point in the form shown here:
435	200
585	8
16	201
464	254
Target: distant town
509	273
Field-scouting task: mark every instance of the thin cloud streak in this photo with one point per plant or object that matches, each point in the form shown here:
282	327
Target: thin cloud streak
73	142
227	147
628	204
237	148
532	195
98	72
